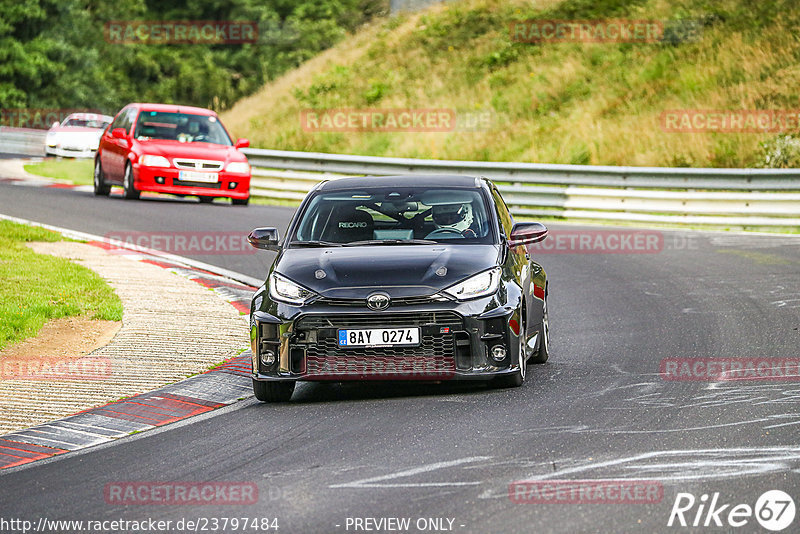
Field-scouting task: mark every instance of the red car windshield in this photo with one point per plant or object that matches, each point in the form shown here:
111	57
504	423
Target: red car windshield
181	127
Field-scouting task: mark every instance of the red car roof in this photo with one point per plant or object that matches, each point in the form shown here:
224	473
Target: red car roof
174	108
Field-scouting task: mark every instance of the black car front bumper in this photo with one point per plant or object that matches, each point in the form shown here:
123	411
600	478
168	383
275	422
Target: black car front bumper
456	339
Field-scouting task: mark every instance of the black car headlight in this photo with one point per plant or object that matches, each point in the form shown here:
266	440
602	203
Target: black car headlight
480	285
284	290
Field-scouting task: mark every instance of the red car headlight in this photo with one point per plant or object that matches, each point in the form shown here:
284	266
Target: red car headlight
150	160
240	167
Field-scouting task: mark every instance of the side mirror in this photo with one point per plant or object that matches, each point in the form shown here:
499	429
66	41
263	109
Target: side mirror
525	233
264	238
242	143
55	125
119	133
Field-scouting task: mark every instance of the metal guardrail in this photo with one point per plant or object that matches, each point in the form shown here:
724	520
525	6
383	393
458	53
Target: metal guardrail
728	197
24	141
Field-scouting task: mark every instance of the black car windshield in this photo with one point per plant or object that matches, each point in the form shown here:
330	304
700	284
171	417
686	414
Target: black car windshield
394	216
182	127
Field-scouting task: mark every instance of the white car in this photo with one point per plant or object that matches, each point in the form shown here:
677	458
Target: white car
77	136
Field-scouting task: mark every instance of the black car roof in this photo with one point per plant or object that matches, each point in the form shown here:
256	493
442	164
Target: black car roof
444	180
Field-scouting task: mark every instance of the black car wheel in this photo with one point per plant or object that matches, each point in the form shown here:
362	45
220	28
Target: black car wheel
129	190
100	185
240	201
544	345
273	391
206	200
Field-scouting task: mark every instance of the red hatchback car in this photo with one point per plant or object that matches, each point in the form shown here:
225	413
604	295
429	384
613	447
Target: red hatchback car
164	148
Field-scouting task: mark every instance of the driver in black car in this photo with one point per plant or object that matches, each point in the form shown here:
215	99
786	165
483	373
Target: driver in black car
456	217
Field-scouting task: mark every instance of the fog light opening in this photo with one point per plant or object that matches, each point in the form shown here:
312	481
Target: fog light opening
160	179
232	185
498	353
267	357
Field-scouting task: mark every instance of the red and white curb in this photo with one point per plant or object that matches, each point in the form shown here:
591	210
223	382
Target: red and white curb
221	386
44	182
21	177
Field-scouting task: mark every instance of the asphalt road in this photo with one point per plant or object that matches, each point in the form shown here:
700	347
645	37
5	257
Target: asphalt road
155	222
597	410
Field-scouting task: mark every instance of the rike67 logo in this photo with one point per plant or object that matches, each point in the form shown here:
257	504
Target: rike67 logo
774	510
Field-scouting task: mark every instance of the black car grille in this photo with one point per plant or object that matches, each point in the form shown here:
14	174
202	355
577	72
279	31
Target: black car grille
434	358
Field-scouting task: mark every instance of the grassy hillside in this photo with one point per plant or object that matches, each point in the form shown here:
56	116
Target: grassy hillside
583	103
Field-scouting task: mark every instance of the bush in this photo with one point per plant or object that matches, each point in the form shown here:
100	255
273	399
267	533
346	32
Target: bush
781	152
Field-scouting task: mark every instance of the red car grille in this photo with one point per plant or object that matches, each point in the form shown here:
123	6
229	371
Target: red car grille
198	164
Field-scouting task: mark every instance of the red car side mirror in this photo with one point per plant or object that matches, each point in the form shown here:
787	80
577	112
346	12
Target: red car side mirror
242	143
525	233
119	133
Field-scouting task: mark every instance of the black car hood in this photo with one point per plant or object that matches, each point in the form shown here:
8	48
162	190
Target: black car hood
399	270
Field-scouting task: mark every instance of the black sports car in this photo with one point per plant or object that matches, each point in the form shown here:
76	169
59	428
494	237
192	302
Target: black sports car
399	278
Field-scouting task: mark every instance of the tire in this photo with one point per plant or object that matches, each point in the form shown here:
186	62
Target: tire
273	391
544	345
101	188
206	200
240	201
516	379
129	190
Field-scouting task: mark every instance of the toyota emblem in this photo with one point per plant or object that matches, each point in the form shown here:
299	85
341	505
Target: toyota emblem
378	301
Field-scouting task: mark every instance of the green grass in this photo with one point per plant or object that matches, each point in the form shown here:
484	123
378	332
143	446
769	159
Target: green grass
583	103
77	171
35	288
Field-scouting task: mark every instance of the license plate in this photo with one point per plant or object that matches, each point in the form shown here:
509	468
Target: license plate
379	337
194	176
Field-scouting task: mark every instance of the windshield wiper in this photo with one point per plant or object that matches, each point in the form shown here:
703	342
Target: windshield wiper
314	244
391	242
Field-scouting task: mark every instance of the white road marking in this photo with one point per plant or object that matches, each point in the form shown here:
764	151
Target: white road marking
699	464
717	465
373	482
